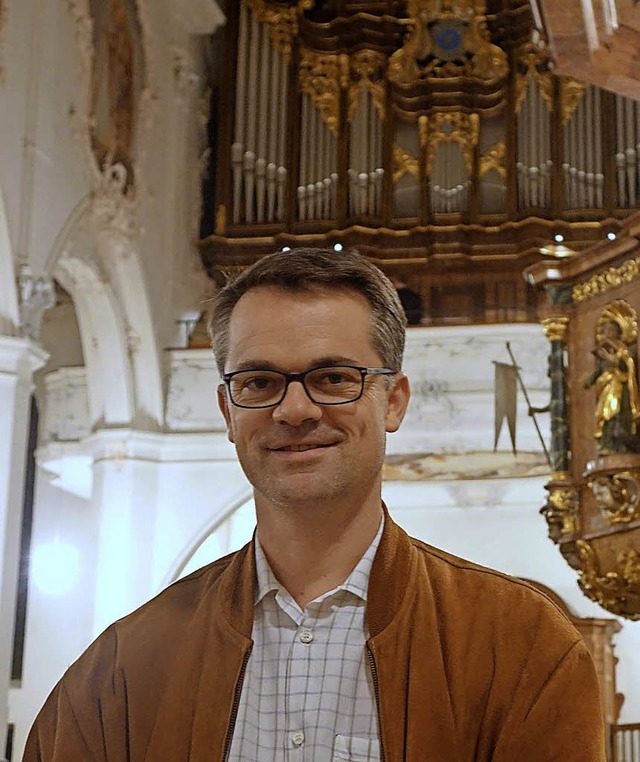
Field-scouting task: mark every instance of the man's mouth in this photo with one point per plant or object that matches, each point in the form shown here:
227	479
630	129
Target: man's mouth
300	447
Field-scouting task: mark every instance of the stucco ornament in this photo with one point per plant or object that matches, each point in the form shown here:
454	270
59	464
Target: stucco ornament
113	207
37	294
186	80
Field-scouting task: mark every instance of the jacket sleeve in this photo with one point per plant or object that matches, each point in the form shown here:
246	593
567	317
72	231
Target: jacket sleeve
559	719
84	718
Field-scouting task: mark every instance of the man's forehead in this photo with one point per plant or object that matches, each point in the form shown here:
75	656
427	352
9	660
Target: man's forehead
271	325
303	291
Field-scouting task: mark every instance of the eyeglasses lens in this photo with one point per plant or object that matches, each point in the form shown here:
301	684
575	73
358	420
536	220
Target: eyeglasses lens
330	385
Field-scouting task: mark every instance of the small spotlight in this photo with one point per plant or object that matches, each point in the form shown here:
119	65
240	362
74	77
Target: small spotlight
611	236
558	238
337	247
286	248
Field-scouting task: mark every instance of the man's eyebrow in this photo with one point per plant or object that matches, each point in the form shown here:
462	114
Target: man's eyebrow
334	360
254	365
319	362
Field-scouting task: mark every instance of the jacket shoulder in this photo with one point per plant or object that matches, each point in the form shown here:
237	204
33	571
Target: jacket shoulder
182	599
498	595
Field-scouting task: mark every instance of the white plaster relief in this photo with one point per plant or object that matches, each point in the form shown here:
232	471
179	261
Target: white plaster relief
451	373
186	80
82	264
191	396
37	294
113	207
66	406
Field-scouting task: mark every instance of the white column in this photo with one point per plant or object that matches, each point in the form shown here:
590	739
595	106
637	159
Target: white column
125	498
19	358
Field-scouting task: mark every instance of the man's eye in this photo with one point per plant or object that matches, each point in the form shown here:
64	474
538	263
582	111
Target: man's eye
258	383
335	378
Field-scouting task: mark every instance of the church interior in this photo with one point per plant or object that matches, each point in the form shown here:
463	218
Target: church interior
485	154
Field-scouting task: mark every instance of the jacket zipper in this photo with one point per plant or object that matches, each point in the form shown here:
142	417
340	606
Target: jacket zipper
236	704
376	693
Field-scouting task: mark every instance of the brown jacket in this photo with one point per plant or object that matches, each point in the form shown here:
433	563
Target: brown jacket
468	665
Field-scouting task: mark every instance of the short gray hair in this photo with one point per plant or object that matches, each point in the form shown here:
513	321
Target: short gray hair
309	269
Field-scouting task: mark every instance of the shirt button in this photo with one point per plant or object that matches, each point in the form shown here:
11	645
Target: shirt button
297	739
306	636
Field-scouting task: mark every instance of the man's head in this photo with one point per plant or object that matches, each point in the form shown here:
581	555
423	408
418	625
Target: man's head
318	269
306	445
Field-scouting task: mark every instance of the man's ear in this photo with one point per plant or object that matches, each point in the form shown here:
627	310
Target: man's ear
223	404
397	402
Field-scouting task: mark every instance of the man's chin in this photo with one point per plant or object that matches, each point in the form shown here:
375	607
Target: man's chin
300	491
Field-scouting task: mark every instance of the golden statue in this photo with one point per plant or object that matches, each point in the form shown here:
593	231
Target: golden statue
616	384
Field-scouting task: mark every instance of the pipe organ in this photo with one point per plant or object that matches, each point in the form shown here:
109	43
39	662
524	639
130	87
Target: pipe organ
431	134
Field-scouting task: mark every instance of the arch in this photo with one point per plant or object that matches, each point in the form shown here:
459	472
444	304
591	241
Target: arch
124	268
114	314
73	262
109	385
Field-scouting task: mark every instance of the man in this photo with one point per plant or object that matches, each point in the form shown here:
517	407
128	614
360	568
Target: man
333	635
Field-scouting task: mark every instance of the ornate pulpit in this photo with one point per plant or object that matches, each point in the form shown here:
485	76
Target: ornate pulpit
591	303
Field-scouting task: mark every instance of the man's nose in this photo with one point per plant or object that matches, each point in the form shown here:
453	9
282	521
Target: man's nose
296	406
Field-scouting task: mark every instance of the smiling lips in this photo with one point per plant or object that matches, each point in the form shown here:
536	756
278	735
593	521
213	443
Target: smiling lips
301	447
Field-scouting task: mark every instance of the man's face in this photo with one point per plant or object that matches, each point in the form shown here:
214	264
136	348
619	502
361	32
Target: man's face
301	453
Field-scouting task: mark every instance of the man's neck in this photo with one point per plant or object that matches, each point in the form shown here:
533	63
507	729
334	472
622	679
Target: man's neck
311	553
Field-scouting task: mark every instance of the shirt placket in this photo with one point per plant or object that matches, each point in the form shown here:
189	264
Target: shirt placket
300	679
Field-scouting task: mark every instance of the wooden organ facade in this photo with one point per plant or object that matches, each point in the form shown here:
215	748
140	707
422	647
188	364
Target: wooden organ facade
430	134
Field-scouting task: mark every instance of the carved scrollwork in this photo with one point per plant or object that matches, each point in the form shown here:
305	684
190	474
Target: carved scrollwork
446	38
113	203
624	315
456	127
562	511
494	159
533	64
404	164
618	495
282	20
555	328
607	280
321	78
367	71
617	591
571	93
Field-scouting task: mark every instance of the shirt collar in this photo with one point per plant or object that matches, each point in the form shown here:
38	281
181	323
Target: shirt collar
357	582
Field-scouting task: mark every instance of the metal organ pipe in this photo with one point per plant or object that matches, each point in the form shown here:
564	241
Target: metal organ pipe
630	151
620	157
237	149
599	177
582	155
565	164
590	147
304	157
241	76
252	103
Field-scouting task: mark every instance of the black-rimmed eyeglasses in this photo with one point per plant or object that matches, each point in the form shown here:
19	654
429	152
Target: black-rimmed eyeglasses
329	385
